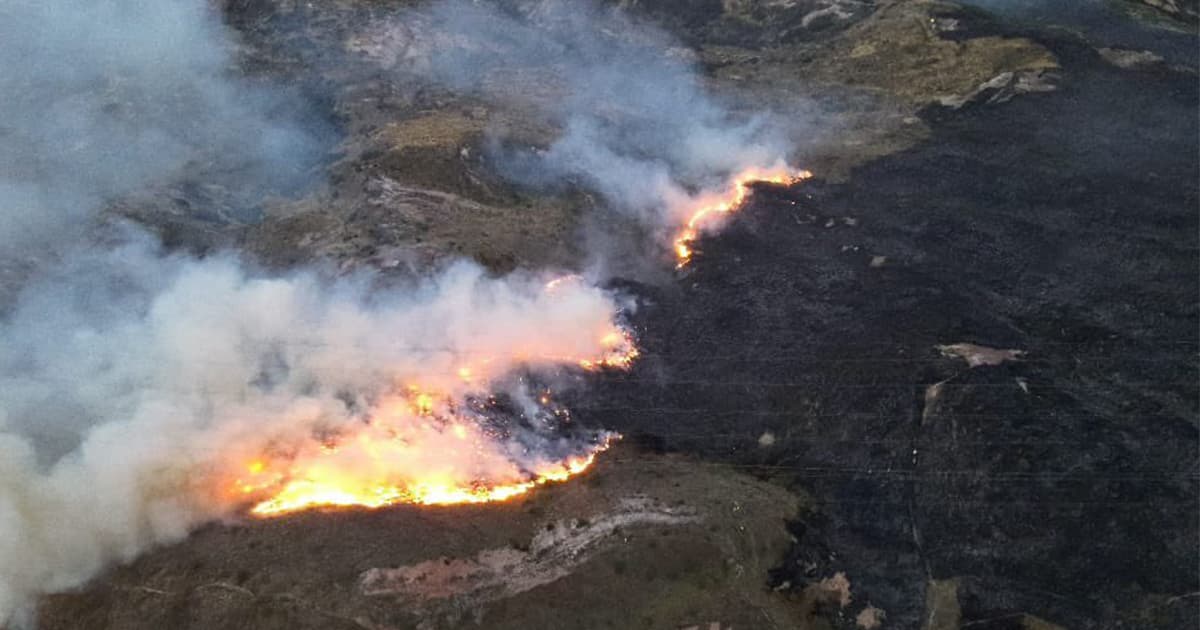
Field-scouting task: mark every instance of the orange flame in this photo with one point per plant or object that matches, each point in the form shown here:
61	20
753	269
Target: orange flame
617	347
418	447
317	484
619	352
705	211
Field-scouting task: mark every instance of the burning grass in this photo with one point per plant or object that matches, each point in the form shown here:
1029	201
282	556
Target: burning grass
429	446
415	449
439	445
707	211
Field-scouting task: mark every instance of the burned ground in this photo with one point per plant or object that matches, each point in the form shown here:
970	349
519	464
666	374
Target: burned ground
800	346
643	541
1062	484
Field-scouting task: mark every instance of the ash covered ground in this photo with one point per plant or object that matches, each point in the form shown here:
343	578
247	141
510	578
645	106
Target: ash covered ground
949	382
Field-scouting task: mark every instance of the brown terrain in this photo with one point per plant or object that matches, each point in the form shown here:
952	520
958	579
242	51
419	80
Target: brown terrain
654	536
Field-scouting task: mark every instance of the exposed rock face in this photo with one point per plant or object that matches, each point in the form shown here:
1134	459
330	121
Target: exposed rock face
500	573
1002	88
1188	10
1130	59
942	610
976	355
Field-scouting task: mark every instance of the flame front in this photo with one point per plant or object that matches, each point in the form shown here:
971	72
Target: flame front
416	449
425	444
377	479
706	211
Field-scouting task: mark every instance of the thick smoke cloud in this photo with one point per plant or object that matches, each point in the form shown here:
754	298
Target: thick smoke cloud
638	124
132	398
136	384
101	97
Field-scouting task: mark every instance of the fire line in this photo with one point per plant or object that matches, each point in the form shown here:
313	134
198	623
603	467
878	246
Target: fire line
706	211
423	445
366	467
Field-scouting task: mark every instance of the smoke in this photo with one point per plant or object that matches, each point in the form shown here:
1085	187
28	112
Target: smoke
144	392
103	97
136	384
638	125
133	398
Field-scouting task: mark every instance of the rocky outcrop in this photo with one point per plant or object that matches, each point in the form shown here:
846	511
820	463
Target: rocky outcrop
1187	10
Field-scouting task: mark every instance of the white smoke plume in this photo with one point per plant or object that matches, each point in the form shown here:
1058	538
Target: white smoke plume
138	388
639	125
104	96
135	393
101	98
143	393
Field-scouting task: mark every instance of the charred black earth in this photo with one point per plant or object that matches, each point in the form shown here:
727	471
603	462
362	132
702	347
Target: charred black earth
803	345
949	382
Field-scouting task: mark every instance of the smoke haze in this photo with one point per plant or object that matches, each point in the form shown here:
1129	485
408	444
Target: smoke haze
135	384
638	125
131	397
103	97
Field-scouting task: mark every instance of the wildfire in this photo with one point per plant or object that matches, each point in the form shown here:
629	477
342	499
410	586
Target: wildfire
321	483
423	445
617	347
619	352
427	445
706	210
